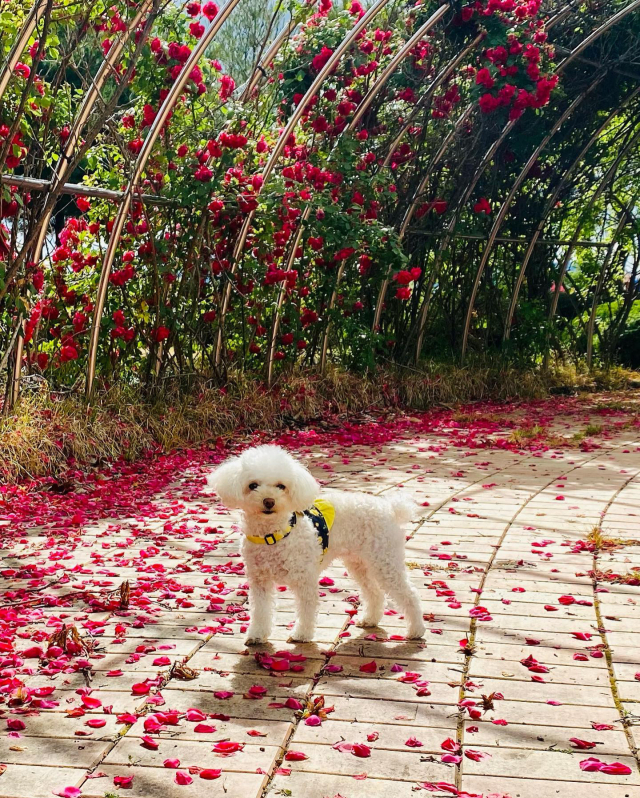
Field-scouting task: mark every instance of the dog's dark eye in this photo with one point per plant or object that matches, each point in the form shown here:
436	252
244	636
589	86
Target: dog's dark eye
253	485
281	486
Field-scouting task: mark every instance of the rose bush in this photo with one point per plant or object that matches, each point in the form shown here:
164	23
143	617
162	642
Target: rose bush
229	265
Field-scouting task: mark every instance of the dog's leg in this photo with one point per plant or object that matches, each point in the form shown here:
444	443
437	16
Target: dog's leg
305	591
395	581
370	593
261	595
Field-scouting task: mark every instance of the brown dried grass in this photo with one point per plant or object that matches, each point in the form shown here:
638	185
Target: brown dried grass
44	433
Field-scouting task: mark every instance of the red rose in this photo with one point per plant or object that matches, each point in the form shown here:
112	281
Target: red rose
161	334
321	58
210	10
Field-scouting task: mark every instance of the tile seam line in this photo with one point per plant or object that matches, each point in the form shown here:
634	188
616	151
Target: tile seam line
473	624
613	682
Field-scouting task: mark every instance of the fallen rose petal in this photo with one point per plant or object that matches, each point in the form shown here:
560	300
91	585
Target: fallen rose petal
210	774
124	782
576	742
204	728
171	763
476	756
150	743
68	792
616	769
590	765
413	742
227	747
182	778
295	756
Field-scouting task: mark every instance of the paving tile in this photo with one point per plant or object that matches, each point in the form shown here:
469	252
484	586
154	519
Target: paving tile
556	766
321	785
519	735
189	752
381	764
536	788
33	781
153	782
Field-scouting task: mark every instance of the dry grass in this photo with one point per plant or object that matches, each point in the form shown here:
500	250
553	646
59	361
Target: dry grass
527	434
45	433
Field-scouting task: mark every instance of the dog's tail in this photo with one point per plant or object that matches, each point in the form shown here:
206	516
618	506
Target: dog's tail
404	509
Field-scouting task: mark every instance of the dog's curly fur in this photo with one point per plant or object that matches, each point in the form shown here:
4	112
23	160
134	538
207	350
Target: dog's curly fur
269	485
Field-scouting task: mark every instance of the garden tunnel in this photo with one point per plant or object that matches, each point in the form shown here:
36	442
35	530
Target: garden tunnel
389	181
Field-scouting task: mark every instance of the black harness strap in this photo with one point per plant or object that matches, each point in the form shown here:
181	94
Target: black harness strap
319	523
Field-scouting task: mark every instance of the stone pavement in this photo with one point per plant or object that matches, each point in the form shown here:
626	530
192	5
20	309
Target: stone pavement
524	555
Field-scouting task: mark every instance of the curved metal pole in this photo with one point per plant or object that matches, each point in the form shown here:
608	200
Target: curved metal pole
391	67
332	301
503	135
551	205
28	26
412	208
421	104
64	164
444	74
608	177
495	228
14	387
268	57
138	168
279	146
625	218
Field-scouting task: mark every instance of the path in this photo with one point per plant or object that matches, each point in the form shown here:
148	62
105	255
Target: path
504	563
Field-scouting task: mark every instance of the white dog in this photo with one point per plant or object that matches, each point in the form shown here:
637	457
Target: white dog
291	536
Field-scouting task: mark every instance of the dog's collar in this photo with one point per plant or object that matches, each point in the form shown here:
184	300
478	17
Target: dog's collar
273	537
321	514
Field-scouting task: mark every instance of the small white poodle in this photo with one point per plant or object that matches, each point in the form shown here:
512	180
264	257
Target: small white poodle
291	536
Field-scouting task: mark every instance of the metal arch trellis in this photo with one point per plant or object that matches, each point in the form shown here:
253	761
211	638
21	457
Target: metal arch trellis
441	78
606	180
551	204
495	228
28	26
625	217
57	184
372	12
586	42
138	168
65	164
460	122
362	108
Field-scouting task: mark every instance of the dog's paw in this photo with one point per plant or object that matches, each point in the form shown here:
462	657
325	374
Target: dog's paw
367	623
416	632
254	641
299	636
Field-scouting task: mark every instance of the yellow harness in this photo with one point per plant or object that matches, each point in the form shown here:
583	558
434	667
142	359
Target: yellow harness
321	514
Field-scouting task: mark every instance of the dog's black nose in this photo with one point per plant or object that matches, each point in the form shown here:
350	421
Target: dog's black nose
269	503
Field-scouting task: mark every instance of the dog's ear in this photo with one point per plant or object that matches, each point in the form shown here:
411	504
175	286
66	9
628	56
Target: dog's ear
303	489
226	481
